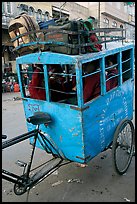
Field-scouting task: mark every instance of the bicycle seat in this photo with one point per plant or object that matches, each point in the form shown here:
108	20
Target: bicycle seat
39	118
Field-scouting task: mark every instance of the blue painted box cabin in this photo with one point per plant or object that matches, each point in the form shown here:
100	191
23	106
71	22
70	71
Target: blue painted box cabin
81	130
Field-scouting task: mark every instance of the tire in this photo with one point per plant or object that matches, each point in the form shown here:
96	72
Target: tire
122	146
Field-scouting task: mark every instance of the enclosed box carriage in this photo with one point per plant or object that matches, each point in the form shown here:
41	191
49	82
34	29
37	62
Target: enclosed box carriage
81	130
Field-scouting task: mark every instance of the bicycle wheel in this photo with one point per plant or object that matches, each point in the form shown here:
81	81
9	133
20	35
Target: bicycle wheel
122	147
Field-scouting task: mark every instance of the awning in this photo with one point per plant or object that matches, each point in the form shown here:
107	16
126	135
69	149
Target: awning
62	10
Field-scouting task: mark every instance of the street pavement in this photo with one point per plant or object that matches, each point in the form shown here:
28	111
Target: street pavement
95	183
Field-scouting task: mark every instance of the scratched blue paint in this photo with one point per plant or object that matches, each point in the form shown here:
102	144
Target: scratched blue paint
103	115
65	129
81	134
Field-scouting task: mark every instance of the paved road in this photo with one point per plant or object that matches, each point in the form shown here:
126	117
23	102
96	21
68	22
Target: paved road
95	183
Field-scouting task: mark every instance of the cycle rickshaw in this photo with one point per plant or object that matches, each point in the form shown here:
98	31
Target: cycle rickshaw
74	130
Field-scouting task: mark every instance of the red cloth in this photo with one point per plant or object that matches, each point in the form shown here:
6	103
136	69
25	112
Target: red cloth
93	38
34	87
37	90
92	87
73	81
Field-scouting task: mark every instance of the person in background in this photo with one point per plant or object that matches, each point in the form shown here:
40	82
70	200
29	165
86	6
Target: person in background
112	72
91	84
92	37
56	81
29	71
25	80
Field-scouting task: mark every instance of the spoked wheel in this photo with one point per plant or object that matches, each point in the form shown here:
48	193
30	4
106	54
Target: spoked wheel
122	147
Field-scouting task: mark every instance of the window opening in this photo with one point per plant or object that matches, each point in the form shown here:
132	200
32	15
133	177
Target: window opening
46	16
91	80
32	78
62	80
39	15
111	68
106	23
126	65
23	7
114	24
31	11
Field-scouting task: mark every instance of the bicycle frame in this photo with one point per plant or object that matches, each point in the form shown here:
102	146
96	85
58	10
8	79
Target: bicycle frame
11	176
25	182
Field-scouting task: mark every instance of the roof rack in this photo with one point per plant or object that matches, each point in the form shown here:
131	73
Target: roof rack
104	35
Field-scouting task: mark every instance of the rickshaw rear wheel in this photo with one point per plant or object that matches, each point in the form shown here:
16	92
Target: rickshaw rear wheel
122	146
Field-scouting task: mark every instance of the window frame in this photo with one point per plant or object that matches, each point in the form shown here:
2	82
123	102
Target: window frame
8	7
114	24
101	58
127	62
106	22
39	15
31	11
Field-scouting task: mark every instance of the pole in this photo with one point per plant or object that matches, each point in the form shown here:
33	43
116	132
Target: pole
61	7
99	16
88	9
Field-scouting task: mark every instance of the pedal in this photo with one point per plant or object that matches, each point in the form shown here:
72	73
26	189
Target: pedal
21	163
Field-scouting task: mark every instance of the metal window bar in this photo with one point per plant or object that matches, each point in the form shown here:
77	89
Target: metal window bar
64	74
40	87
114	65
116	75
86	75
126	60
126	70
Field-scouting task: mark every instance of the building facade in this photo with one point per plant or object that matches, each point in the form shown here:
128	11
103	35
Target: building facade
106	14
115	15
42	11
